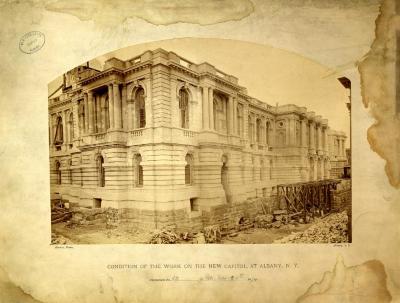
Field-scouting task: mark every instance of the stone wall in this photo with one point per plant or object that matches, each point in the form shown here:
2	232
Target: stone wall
225	216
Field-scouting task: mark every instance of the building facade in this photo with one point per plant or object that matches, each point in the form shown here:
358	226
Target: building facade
165	140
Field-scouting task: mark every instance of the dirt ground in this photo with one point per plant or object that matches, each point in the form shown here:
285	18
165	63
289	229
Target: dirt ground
99	234
263	236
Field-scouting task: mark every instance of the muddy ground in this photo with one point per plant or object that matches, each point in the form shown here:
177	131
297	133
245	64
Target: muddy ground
330	229
98	234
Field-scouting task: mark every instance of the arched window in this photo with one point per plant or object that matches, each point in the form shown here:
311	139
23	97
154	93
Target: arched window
58	172
258	130
250	128
298	134
188	169
59	137
140	108
71	127
267	131
225	178
215	112
101	181
139	170
239	118
184	108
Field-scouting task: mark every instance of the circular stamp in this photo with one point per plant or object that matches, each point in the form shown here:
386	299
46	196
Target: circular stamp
31	42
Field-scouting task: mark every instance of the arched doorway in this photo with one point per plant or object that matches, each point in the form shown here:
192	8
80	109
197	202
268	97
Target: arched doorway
58	173
225	179
101	181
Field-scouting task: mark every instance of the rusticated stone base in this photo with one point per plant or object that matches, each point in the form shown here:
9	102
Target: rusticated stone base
225	216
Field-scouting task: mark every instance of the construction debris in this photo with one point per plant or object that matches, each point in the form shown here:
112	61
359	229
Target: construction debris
164	236
93	216
263	221
200	239
330	229
212	234
59	214
58	239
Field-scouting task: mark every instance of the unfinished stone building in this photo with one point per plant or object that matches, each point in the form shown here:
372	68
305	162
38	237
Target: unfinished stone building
165	140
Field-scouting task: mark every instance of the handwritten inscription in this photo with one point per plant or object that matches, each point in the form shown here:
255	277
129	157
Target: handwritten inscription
208	278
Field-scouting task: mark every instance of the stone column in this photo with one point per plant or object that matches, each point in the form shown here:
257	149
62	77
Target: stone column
124	108
230	116
99	120
206	118
343	148
211	107
272	133
103	115
254	118
326	143
91	111
86	109
148	102
111	105
117	106
235	130
303	131
246	122
65	124
130	114
75	114
319	147
263	130
51	130
312	135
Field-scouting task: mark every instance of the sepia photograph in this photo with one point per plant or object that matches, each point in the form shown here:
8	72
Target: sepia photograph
195	141
200	151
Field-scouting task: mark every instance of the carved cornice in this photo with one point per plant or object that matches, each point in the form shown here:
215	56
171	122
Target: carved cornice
100	75
60	104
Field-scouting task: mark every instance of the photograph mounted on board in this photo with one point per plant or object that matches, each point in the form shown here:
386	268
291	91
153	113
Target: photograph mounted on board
195	141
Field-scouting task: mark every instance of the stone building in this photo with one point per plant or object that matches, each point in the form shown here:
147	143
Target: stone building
165	140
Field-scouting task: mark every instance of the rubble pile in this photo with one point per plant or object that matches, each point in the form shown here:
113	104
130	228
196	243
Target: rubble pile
112	217
92	216
330	229
212	234
58	239
243	224
165	236
263	221
59	214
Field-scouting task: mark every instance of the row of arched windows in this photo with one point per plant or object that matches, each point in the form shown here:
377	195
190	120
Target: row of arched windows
137	169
